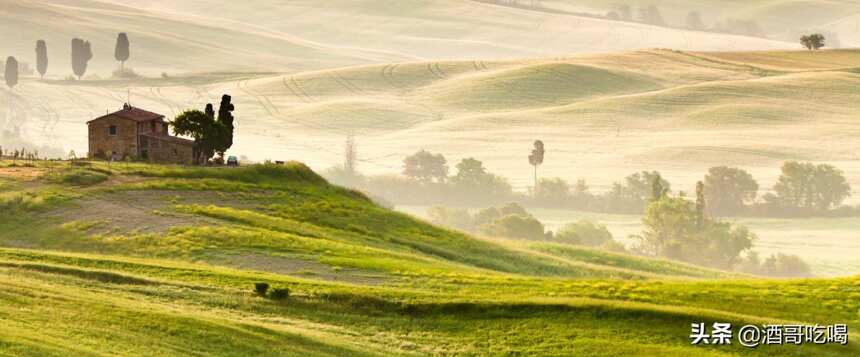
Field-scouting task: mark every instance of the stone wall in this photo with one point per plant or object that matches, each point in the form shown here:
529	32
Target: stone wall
103	145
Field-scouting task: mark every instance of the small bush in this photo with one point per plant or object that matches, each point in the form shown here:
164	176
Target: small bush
82	177
584	232
280	293
261	288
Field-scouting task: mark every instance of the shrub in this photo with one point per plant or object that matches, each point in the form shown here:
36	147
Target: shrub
82	177
280	293
261	288
783	265
584	232
516	227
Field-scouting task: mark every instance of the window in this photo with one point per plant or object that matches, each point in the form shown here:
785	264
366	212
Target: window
112	130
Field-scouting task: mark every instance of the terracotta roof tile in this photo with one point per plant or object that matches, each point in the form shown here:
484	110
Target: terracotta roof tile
133	113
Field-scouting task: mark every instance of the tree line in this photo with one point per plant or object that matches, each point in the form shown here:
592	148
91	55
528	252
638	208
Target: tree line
802	190
674	227
81	54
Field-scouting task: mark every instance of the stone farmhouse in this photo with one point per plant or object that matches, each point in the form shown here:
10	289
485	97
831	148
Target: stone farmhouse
137	134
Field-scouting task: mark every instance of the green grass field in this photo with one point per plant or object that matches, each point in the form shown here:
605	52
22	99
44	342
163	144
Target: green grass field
154	260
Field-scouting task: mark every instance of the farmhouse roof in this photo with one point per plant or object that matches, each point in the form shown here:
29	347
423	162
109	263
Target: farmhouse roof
132	113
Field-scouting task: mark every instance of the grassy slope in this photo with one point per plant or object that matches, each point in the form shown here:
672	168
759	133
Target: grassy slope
406	287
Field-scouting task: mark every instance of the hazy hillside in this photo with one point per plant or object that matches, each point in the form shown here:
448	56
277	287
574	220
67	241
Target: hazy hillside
165	259
263	35
602	116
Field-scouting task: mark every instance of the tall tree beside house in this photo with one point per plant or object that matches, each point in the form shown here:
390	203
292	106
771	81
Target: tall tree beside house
11	72
536	159
42	58
82	53
225	120
122	52
211	136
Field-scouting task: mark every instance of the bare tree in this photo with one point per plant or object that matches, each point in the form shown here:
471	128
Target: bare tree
350	160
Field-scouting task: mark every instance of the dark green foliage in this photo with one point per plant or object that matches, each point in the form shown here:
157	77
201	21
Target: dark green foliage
11	72
82	53
812	42
425	167
210	135
261	288
122	52
279	293
225	119
42	58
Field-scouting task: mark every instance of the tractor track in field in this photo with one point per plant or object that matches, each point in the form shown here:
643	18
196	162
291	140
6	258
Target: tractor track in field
388	75
297	92
262	99
352	88
436	71
480	66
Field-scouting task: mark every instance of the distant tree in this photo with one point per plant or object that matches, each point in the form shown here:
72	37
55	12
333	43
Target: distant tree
613	15
451	217
783	265
584	232
42	58
426	167
11	72
810	187
651	15
82	53
516	227
658	189
700	204
553	192
625	12
122	52
536	159
350	156
812	42
694	21
672	230
728	189
473	184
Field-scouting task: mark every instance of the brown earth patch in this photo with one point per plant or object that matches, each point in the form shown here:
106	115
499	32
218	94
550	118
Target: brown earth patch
302	267
149	211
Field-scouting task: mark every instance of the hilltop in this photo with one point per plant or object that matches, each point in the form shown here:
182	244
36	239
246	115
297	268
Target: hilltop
166	259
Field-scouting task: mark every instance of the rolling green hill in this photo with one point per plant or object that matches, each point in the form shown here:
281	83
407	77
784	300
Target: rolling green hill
138	259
